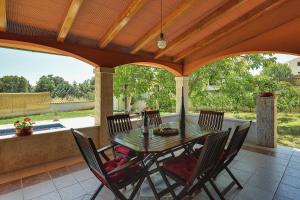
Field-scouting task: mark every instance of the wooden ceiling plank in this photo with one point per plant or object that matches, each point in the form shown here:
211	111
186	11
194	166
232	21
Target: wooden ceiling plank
204	22
121	22
69	19
235	24
3	21
167	21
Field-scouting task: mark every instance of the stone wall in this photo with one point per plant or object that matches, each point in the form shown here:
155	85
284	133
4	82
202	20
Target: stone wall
21	152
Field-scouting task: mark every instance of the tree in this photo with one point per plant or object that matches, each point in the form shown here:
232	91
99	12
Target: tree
49	83
143	83
14	84
277	71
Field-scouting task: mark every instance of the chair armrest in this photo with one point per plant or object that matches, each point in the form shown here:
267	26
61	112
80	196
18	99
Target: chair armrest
103	149
126	165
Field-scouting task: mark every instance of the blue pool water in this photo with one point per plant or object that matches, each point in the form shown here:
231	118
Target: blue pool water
45	127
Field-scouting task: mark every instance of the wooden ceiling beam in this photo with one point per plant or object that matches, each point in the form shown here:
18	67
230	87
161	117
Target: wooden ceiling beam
167	21
93	56
121	22
69	19
204	22
3	21
235	24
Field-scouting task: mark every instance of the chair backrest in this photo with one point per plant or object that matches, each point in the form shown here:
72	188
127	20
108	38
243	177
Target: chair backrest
237	141
210	154
90	155
211	119
154	117
118	123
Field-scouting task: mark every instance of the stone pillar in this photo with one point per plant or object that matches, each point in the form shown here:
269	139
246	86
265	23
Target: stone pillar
182	81
266	114
103	100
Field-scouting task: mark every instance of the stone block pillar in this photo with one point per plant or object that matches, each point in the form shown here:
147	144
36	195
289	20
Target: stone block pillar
182	81
103	100
266	114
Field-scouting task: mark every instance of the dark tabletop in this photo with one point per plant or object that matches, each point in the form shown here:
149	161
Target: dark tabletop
135	140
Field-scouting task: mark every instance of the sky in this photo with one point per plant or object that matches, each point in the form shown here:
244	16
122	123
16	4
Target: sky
33	65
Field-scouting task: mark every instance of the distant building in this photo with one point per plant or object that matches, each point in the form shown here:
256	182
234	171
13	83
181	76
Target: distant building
295	66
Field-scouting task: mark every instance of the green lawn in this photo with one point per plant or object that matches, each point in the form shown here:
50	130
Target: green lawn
288	127
288	123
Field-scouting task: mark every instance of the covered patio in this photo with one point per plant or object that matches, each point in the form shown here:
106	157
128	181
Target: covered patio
107	34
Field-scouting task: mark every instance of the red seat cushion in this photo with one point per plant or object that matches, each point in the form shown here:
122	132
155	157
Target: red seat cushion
125	151
181	166
123	175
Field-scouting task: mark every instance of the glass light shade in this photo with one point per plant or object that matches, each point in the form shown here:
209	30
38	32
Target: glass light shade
161	42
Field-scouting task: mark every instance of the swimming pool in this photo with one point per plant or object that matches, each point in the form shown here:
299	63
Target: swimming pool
10	131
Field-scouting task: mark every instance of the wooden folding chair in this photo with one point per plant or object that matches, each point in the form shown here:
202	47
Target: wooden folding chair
211	119
120	124
154	117
115	174
234	146
191	172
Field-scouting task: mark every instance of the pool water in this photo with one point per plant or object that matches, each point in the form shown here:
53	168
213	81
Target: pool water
10	131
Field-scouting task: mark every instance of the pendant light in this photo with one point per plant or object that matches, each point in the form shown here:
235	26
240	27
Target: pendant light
161	42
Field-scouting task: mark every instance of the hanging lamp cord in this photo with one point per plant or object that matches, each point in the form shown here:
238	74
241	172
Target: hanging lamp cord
161	17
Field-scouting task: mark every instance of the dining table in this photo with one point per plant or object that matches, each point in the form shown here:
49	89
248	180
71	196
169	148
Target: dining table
152	146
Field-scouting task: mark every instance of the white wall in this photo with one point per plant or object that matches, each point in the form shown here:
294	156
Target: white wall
293	64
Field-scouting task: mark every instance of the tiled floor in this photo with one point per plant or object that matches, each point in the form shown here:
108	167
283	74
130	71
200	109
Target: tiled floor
264	175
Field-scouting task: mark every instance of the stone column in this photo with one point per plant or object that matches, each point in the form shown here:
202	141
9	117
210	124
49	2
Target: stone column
103	100
266	114
182	81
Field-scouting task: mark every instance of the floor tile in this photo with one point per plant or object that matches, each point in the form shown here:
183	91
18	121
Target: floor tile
90	185
254	193
71	192
62	178
294	165
82	175
291	180
37	185
288	192
15	195
49	196
292	172
264	182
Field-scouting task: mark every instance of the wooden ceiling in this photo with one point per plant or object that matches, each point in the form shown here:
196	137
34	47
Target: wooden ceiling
197	31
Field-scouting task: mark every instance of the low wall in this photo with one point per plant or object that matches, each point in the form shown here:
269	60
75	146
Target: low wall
21	152
233	123
71	106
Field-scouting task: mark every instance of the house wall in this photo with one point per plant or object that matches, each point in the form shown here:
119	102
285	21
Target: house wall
293	64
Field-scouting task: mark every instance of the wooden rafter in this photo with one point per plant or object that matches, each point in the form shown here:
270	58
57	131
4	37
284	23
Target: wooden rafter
3	15
168	20
69	19
209	19
235	24
121	21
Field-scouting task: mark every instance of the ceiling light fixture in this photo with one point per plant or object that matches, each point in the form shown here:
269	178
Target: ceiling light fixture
161	42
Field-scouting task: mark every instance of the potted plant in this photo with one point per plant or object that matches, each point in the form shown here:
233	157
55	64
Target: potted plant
24	127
